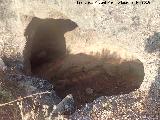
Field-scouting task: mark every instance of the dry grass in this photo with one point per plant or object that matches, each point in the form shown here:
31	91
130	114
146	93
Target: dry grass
14	107
16	110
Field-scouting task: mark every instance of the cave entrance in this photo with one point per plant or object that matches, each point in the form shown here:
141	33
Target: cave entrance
86	77
45	42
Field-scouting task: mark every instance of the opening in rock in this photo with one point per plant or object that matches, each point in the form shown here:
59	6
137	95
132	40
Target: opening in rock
45	42
86	77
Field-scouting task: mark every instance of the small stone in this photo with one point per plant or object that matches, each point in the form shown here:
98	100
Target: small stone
67	104
2	65
89	91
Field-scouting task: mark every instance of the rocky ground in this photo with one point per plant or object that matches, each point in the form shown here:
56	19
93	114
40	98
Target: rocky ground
133	28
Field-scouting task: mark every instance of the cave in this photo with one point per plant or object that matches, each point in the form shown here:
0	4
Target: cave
85	76
89	77
45	42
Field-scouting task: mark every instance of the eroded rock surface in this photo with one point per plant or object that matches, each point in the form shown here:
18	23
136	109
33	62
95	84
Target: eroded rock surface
134	28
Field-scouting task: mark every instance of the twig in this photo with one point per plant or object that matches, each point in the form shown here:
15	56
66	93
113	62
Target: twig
19	99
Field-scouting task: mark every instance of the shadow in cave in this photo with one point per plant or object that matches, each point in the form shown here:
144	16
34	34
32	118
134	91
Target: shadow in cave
45	42
87	77
84	76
